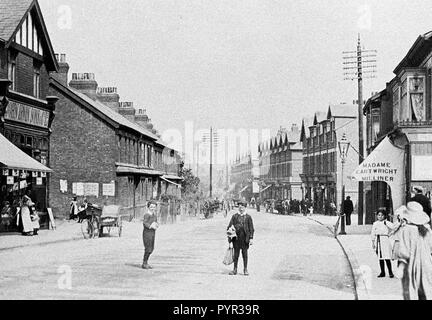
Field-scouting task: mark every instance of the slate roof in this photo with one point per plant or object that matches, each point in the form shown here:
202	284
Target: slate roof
344	110
11	14
108	112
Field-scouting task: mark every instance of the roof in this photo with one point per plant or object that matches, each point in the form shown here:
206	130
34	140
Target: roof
344	110
107	111
13	158
294	136
416	54
11	14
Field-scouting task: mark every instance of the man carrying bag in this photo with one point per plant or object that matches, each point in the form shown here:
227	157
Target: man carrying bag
243	225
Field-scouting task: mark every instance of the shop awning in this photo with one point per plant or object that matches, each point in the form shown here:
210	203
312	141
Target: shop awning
12	157
124	168
169	181
172	177
265	188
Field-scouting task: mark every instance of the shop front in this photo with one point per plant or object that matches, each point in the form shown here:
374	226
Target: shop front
20	175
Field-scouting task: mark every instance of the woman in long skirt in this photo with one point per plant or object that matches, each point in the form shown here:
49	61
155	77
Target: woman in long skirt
25	214
414	254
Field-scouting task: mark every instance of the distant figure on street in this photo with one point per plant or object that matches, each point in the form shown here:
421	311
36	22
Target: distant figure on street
422	199
150	226
73	211
414	254
253	201
347	209
381	243
243	225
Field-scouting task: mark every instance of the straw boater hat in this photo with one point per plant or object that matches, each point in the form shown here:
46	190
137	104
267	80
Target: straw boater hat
418	189
414	214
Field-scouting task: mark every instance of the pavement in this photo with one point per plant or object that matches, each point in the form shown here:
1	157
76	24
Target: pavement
357	245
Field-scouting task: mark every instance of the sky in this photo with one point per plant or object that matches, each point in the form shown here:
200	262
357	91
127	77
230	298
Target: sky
253	64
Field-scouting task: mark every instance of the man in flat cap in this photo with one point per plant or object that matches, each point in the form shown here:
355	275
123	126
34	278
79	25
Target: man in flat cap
422	199
244	229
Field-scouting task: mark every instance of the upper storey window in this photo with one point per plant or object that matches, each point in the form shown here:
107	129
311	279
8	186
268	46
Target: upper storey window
28	37
409	101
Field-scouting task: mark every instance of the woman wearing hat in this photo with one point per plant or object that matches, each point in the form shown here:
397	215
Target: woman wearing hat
415	260
381	242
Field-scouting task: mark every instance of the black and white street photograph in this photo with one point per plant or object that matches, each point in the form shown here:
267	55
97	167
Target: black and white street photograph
215	150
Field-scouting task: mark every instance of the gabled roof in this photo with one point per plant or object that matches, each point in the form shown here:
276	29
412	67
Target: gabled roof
318	117
294	136
343	111
13	14
417	53
104	111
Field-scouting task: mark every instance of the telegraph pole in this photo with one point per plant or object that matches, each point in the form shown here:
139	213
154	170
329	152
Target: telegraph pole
364	62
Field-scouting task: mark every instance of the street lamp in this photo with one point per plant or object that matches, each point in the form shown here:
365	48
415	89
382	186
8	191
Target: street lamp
344	145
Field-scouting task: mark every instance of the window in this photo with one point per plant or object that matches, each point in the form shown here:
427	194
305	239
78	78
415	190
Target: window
36	82
12	69
396	103
416	95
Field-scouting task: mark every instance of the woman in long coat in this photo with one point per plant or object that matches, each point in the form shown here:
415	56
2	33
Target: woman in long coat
150	226
381	243
414	254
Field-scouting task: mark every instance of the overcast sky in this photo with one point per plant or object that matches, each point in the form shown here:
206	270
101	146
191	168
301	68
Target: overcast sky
235	63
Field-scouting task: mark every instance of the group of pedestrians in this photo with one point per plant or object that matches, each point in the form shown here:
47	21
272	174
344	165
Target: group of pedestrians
408	240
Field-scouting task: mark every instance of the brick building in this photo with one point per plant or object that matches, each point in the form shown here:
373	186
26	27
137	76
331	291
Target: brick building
322	176
106	151
26	107
280	165
403	111
242	176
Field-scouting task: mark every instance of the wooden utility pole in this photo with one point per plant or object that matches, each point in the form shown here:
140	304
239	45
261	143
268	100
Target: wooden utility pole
364	62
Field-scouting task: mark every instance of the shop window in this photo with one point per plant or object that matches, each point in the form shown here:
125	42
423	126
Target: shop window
396	103
29	141
416	93
21	139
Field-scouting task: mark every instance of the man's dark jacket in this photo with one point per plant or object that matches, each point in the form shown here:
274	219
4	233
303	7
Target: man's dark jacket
424	201
348	207
248	226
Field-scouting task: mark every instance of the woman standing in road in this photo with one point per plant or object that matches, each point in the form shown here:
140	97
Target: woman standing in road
381	243
150	226
414	254
25	214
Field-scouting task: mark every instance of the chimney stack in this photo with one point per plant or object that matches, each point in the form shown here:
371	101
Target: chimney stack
141	118
62	75
109	97
127	110
84	83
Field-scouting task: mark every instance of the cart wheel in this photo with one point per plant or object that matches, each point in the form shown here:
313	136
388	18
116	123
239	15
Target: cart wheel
87	229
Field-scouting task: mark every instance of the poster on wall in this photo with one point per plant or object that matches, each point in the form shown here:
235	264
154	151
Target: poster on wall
91	189
63	186
23	184
108	189
10	180
79	189
39	181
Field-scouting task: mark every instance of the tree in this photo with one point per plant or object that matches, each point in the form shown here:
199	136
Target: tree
190	184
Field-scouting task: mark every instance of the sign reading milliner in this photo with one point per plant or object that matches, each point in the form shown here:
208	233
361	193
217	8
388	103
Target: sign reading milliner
386	164
377	171
26	114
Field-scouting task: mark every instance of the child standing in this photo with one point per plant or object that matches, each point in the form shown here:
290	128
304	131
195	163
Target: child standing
381	243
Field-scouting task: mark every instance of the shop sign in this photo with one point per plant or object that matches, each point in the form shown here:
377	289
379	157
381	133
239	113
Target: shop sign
26	114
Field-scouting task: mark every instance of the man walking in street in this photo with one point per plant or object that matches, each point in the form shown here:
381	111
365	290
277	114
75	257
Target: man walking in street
347	209
150	226
243	225
419	197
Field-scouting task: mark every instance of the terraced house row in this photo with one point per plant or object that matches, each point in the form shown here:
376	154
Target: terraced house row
64	138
